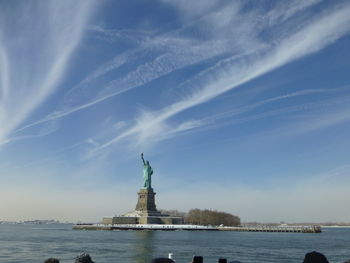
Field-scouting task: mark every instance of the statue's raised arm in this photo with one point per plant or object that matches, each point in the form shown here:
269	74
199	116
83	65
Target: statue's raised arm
143	160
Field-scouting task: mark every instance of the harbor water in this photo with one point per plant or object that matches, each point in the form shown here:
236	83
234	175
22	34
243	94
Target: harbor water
21	243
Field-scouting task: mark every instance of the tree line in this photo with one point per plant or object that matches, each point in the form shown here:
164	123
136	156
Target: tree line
211	217
206	217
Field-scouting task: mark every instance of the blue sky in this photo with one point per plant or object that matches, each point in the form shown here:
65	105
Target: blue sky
240	106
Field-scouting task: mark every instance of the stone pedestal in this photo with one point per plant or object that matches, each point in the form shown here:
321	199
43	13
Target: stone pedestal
145	212
146	203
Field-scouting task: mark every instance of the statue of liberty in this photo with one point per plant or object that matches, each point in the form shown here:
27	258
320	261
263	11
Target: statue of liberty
147	174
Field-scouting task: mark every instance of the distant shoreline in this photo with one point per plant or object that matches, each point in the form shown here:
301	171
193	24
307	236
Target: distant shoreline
56	222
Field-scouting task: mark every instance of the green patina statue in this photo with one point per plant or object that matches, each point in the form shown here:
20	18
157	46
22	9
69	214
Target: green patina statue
147	174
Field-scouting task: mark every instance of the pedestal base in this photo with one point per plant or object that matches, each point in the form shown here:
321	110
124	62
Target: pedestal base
145	213
163	219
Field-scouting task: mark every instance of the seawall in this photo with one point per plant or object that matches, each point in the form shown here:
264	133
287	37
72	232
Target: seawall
291	229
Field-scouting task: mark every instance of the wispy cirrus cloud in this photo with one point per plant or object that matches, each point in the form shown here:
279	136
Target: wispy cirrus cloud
244	57
230	73
34	54
229	115
166	53
165	63
113	35
284	11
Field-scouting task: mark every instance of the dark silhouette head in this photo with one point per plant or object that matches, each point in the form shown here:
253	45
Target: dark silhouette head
222	260
197	259
162	260
52	260
83	258
315	257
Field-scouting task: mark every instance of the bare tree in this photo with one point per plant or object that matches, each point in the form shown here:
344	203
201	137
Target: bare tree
209	217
